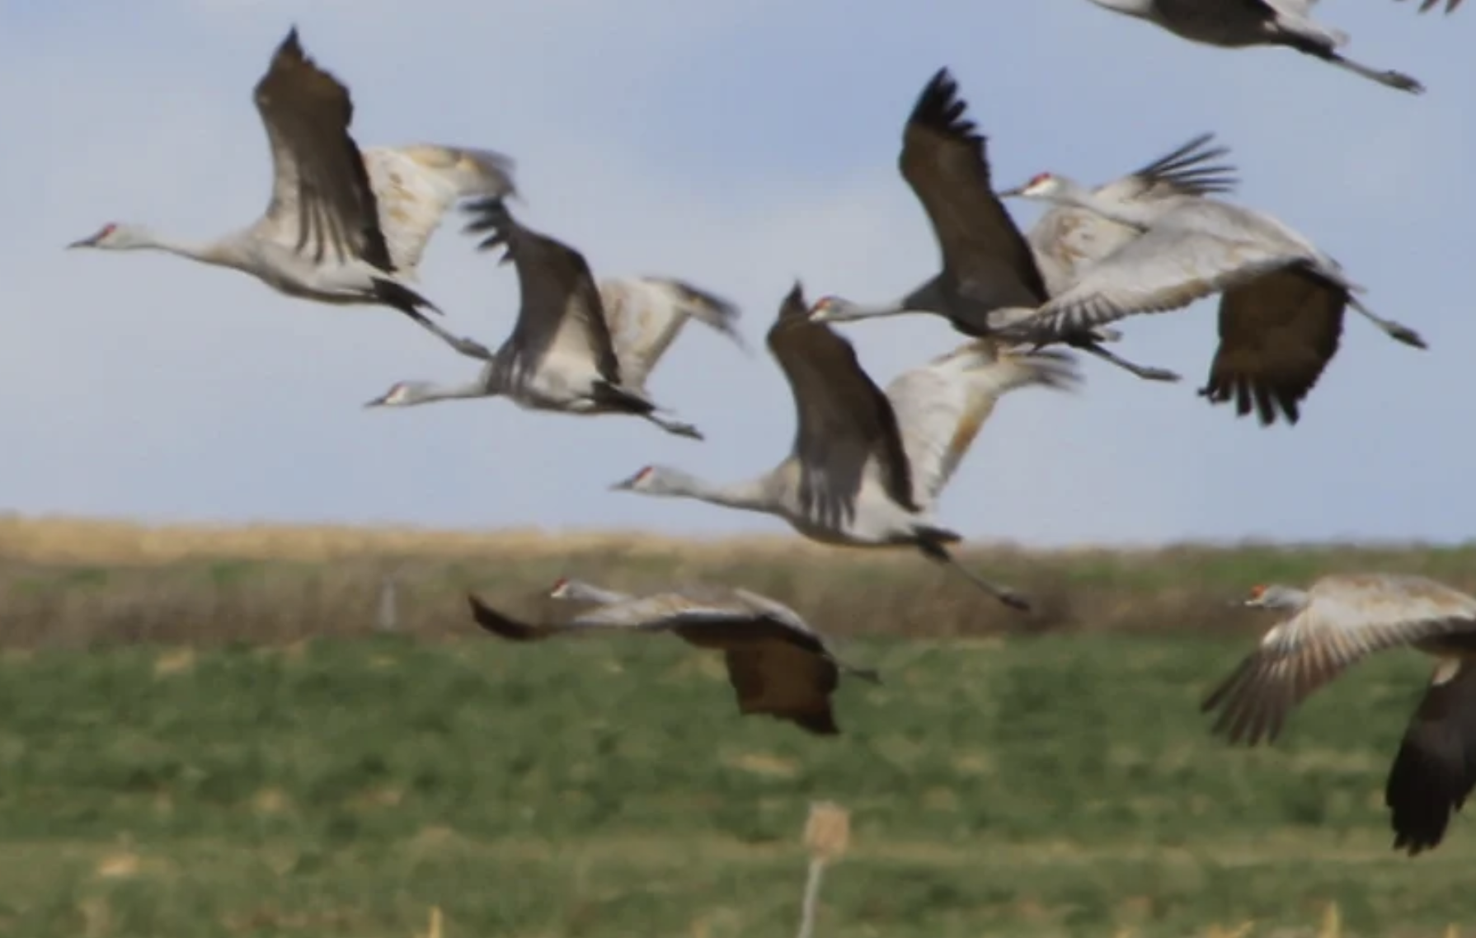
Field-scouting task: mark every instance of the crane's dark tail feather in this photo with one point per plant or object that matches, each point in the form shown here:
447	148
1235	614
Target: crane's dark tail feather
404	299
618	397
932	541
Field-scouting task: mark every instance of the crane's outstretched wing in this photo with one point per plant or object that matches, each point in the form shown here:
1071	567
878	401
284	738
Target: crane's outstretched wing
1435	769
942	405
844	419
943	160
1164	269
1348	618
1185	171
322	199
415	185
1277	335
646	314
1067	240
504	626
561	313
785	682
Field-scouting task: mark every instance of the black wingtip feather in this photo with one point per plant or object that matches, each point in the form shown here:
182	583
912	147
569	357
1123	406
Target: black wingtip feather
940	108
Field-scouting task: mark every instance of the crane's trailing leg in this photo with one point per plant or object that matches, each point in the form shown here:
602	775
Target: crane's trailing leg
931	542
623	401
407	301
1394	330
1386	77
1142	371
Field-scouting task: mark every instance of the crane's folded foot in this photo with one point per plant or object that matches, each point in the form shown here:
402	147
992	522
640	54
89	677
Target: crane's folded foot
1402	82
1406	335
1013	599
472	348
1158	374
676	427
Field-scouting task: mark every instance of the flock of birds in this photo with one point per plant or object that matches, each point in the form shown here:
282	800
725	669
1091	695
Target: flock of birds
348	226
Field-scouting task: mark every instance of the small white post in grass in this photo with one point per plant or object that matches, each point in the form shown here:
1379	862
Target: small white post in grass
389	602
827	835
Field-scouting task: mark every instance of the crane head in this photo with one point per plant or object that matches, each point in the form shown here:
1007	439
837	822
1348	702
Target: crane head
560	588
111	235
1272	596
1040	186
400	394
636	483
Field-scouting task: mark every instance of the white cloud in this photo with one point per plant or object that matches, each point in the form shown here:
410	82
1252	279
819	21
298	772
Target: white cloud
739	146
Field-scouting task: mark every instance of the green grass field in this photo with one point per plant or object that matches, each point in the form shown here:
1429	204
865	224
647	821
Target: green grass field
1061	785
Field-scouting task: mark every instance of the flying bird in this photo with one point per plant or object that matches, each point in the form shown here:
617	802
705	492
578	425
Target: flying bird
344	226
1337	622
561	355
1282	302
866	467
988	267
644	314
1238	24
777	664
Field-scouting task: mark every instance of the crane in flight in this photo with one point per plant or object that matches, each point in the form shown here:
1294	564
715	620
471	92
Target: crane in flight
777	663
1337	622
1282	298
561	355
988	268
343	226
867	466
644	314
1239	24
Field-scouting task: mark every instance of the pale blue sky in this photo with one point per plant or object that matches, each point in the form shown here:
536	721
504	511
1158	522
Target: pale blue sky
738	145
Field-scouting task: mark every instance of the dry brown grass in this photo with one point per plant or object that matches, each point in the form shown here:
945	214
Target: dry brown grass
75	582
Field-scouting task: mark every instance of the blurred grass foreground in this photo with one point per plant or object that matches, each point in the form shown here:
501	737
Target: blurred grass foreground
298	731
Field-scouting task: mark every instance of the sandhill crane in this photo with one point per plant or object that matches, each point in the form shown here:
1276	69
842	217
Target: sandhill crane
987	265
778	665
1237	24
1337	622
1281	312
866	467
561	356
644	314
343	227
1066	240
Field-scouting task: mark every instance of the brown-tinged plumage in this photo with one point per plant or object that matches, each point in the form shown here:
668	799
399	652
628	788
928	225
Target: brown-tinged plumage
776	663
1337	622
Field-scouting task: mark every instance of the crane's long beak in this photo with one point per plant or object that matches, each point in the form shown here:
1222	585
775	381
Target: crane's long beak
83	243
377	402
1010	193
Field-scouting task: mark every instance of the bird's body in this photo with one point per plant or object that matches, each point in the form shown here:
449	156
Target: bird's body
1282	303
1334	624
644	314
777	664
344	226
1239	24
866	465
562	354
989	272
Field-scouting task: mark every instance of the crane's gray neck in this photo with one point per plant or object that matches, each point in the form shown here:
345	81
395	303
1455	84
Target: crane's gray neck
927	298
428	392
228	251
747	495
1143	9
580	591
